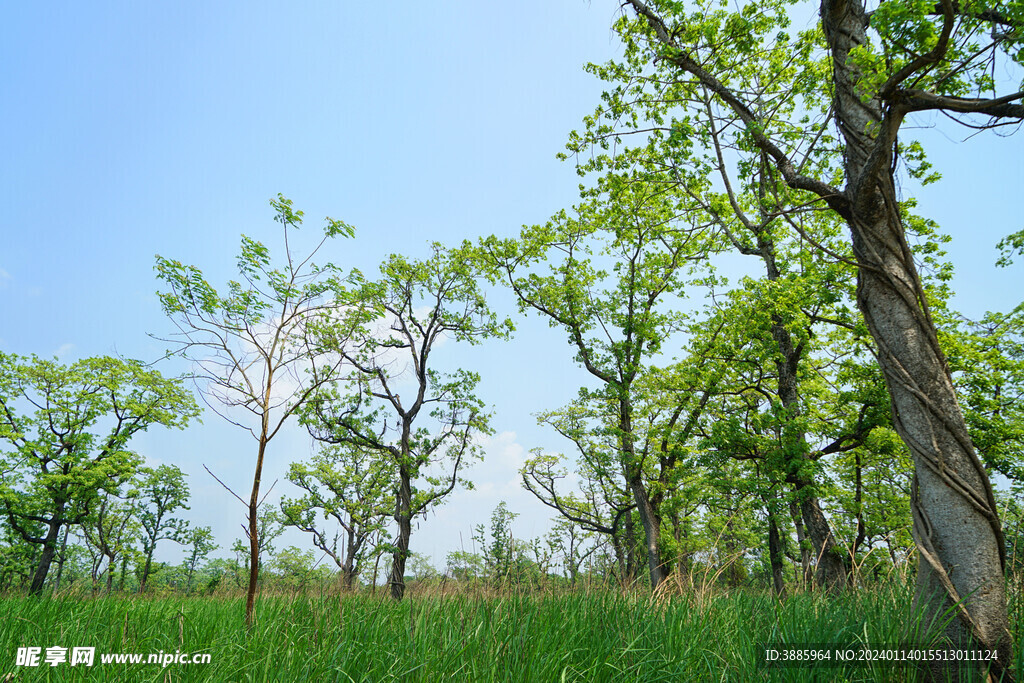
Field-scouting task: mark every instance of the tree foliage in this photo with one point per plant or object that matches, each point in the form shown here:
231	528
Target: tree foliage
66	430
397	323
251	347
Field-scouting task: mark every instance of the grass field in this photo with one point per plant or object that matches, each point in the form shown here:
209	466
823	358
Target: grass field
585	636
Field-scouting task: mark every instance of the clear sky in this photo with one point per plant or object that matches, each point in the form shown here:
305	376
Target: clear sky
134	129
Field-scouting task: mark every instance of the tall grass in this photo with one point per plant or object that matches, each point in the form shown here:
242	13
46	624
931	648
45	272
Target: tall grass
577	636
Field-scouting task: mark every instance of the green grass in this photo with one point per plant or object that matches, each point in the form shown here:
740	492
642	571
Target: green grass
586	636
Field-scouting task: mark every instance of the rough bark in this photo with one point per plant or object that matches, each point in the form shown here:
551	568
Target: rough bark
956	528
775	554
46	557
146	569
62	557
403	516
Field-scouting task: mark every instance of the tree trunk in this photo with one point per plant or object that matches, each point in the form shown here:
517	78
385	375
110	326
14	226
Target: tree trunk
46	558
124	571
858	502
956	527
650	517
831	569
681	534
775	553
376	569
146	569
831	573
111	562
801	539
349	569
619	569
61	558
403	515
632	562
254	540
651	521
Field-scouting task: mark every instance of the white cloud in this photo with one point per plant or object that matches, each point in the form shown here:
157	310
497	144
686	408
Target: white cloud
5	278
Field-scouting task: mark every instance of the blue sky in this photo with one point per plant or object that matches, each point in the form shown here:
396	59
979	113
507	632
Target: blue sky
134	129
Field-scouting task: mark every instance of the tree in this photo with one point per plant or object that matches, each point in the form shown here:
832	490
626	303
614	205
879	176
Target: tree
162	491
71	564
110	530
604	503
986	358
17	559
612	267
349	485
200	540
875	494
463	565
250	348
866	71
571	542
268	528
421	568
403	317
500	554
794	388
73	445
505	559
297	569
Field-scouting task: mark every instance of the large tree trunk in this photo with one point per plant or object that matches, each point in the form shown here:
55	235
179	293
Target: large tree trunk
403	515
349	569
956	527
831	570
46	558
62	557
650	516
348	579
651	521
